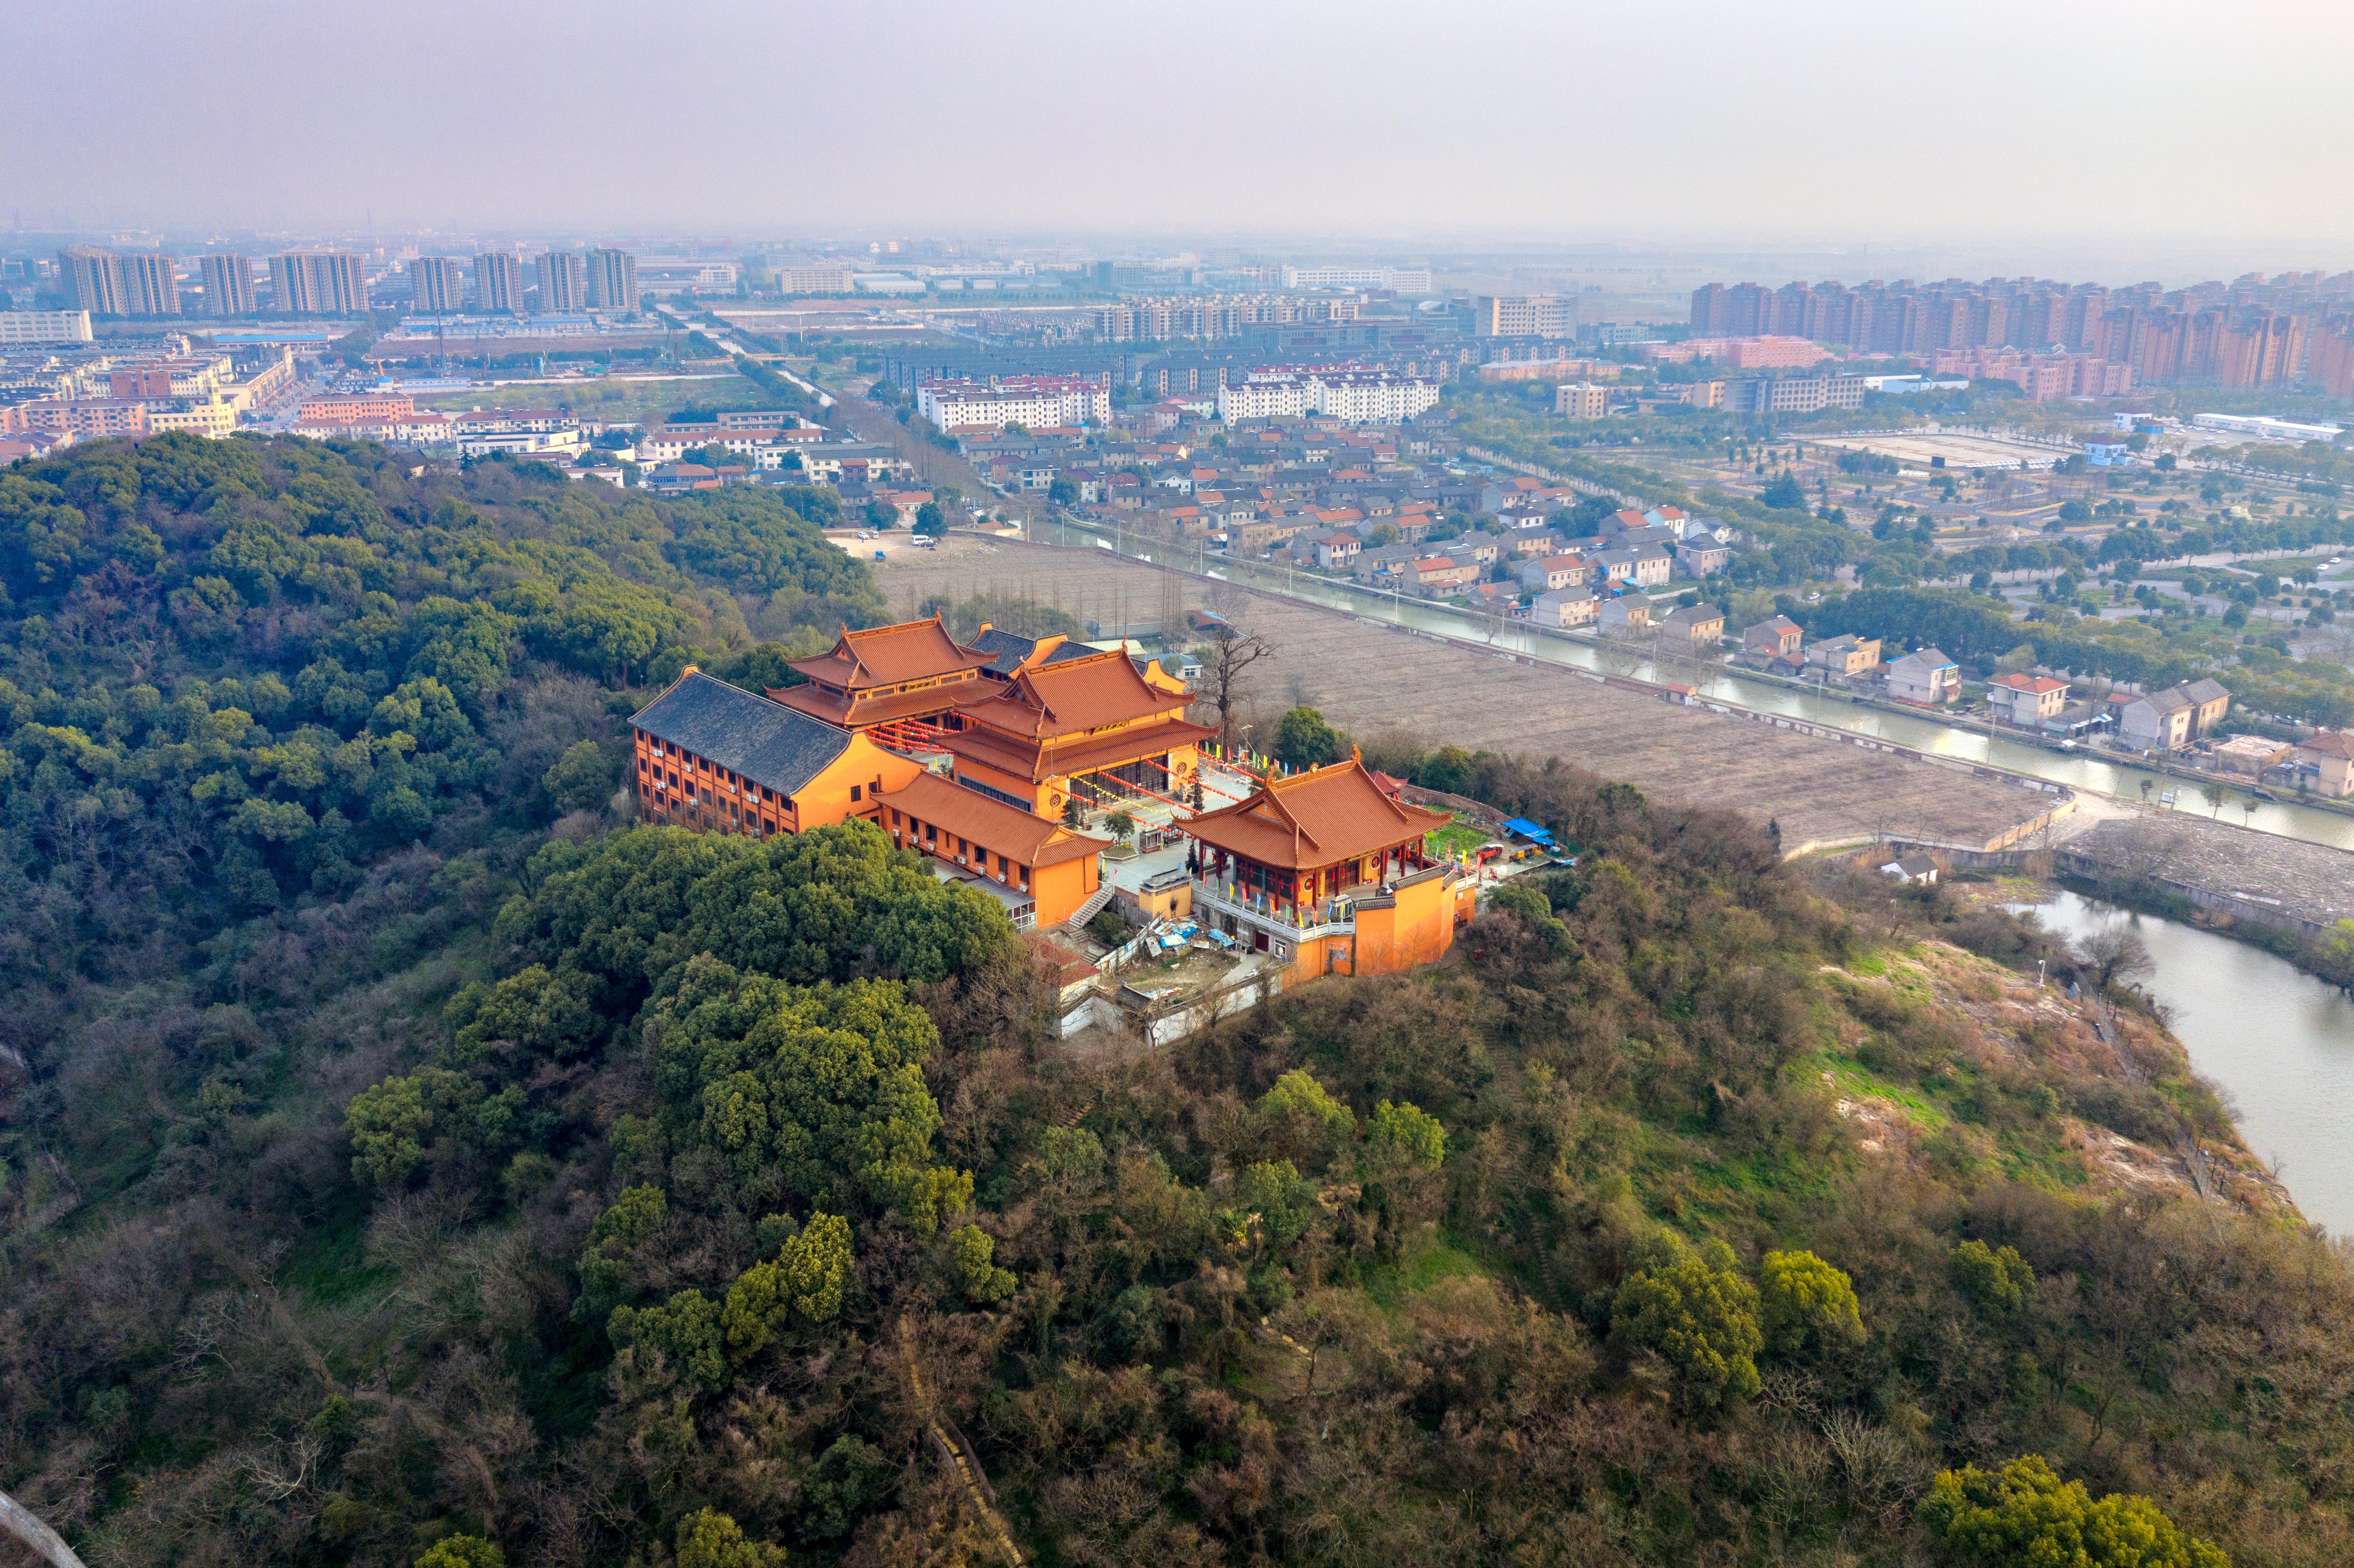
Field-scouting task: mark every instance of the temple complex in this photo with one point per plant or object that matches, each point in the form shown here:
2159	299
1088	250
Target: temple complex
987	757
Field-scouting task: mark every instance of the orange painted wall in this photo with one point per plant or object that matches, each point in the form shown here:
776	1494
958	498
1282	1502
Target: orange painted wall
726	807
1060	889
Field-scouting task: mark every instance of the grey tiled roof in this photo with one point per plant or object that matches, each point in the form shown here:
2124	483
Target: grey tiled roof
767	742
1012	648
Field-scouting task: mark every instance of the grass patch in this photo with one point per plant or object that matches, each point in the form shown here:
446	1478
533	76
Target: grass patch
1855	1081
1430	1258
1460	837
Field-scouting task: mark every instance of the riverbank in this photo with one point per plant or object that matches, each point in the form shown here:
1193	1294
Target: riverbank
2277	1043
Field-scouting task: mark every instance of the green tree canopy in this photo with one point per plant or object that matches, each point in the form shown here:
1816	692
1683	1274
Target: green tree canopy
1305	740
2025	1514
1691	1306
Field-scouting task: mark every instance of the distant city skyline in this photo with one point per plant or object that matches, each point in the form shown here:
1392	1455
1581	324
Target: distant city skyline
1829	120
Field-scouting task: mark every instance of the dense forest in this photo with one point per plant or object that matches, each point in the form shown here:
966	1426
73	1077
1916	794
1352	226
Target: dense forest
406	1159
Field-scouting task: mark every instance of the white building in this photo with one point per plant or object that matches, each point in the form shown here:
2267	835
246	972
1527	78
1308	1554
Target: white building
1357	397
2265	428
44	326
1400	280
1034	402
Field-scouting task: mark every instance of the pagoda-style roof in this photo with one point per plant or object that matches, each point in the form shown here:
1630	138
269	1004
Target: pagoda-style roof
1050	699
1010	651
1008	831
1322	817
1025	756
889	656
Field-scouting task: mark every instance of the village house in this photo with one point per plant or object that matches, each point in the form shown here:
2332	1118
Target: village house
2173	718
2026	700
1565	607
1624	615
1925	676
1846	655
2330	754
1702	625
1771	640
1553	572
1647	566
1703	555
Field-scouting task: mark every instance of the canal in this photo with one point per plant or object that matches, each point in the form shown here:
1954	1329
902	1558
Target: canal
2278	1042
2078	770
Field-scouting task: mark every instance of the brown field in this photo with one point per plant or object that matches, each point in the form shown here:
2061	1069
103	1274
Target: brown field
1371	679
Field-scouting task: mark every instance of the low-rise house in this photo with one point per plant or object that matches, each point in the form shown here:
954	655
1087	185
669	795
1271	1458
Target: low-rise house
1337	551
2251	755
2330	754
1776	639
1925	676
2026	700
1702	556
1702	625
1846	655
1565	607
1624	615
1551	572
1645	566
1913	869
2173	718
1437	574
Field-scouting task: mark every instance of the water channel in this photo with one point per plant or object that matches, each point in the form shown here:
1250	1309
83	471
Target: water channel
2080	769
2278	1042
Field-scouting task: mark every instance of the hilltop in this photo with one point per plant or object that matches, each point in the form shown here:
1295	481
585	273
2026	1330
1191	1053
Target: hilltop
410	1158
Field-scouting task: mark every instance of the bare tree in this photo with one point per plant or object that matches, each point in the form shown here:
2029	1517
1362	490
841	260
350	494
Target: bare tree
1231	653
38	1537
2114	955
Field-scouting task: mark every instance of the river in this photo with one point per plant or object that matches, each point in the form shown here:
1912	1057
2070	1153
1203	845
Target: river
2278	1042
2078	770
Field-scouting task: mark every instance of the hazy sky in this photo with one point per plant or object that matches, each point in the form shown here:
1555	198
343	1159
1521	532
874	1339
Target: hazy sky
1825	121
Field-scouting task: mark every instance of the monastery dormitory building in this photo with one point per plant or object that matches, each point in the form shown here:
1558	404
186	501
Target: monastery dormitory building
983	755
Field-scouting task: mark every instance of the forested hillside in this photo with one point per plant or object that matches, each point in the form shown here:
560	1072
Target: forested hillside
410	1160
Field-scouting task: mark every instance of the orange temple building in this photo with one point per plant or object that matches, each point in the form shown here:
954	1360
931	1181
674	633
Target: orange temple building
885	676
716	756
1092	727
1326	871
1049	872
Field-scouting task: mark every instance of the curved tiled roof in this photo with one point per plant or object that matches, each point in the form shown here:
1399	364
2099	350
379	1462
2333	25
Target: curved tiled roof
1321	816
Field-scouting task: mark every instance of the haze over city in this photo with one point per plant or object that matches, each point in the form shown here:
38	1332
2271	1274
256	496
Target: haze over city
2074	126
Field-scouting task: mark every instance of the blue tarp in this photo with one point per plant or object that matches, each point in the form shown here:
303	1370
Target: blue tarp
1529	831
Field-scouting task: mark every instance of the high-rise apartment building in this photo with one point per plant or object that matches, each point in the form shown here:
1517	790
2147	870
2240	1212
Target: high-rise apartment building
93	279
562	281
151	284
612	280
498	283
229	285
438	284
1525	315
318	283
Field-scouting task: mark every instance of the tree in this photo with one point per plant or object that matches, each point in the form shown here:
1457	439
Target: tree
1231	653
983	1282
1785	494
881	513
463	1552
1063	491
1122	824
1305	740
2113	955
2214	792
1404	1134
581	778
1298	1121
1805	1300
709	1539
2025	1514
1995	1279
805	1283
1691	1306
929	522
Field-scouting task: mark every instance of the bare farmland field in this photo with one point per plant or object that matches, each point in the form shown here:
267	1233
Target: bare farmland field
1371	679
